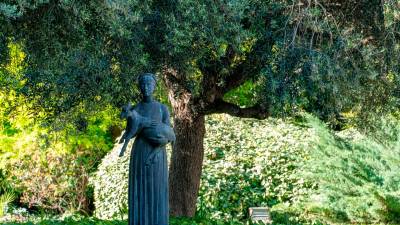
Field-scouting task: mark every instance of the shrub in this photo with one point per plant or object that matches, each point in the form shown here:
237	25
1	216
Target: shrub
5	199
53	181
247	163
79	220
49	169
46	159
357	178
110	183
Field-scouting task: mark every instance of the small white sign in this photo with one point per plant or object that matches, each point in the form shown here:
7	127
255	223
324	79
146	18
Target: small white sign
258	214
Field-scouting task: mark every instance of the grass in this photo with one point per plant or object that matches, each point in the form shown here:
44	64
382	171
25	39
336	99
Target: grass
78	220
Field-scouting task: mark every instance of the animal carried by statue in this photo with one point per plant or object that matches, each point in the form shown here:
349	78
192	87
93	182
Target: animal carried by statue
157	134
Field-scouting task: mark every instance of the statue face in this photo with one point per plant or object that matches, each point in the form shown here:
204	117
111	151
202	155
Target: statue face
147	86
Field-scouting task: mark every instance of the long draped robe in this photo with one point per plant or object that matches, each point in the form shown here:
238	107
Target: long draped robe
148	173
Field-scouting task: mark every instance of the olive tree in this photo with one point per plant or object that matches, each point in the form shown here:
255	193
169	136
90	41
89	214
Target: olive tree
281	56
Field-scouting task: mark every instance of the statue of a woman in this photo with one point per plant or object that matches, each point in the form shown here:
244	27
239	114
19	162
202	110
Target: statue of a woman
148	168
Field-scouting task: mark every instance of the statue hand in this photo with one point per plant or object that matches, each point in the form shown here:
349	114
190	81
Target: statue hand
150	123
154	123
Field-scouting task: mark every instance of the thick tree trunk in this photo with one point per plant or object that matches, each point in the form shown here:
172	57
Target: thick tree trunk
186	165
186	161
188	150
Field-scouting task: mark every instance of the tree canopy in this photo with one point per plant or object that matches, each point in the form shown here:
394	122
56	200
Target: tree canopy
253	58
298	55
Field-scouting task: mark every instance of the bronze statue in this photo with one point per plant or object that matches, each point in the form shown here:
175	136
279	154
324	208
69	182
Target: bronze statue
148	167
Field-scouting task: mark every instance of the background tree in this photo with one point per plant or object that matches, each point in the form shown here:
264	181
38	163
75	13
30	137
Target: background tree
291	55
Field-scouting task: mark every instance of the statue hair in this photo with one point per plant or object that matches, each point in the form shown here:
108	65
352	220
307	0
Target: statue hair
143	75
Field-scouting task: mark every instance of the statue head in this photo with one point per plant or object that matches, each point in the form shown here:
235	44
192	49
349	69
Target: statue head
147	84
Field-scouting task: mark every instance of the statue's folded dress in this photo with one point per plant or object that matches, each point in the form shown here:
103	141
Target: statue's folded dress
148	173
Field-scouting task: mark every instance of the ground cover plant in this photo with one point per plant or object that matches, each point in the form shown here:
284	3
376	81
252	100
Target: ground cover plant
247	163
94	221
304	172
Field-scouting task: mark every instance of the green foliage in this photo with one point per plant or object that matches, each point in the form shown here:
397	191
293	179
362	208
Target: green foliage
45	163
244	96
89	53
72	220
305	173
89	70
53	172
5	199
46	166
247	163
110	184
78	220
356	179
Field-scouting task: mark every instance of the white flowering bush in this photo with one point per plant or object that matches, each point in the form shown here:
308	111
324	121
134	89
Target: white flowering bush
110	184
247	163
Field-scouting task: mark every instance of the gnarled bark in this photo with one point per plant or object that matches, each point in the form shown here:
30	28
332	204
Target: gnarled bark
186	165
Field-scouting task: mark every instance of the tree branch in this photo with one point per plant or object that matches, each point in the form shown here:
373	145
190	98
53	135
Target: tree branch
246	69
174	79
211	70
235	79
220	106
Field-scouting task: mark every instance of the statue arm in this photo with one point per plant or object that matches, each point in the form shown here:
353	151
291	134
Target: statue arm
164	135
160	133
165	115
166	120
